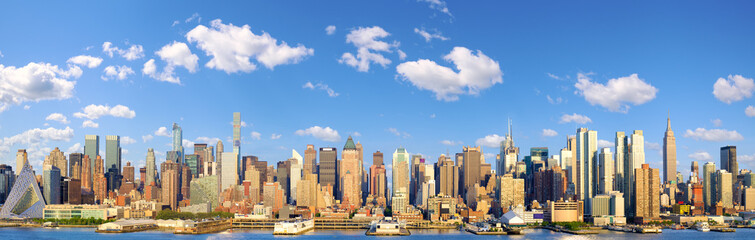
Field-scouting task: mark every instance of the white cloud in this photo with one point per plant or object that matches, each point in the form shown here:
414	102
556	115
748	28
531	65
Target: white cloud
429	36
175	22
27	107
58	117
716	122
147	138
476	73
330	30
85	61
450	142
231	47
734	89
275	136
256	135
438	5
162	131
605	143
369	48
127	140
575	118
617	93
33	140
549	133
193	17
206	140
187	143
401	55
35	82
398	133
324	87
326	134
149	67
76	148
750	111
490	141
174	54
700	156
713	135
117	72
356	134
550	75
132	53
557	100
96	111
89	124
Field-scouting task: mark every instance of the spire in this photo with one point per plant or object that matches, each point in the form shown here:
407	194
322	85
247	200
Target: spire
349	144
668	121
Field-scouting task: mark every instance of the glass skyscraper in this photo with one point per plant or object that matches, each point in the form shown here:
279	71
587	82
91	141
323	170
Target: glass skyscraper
113	152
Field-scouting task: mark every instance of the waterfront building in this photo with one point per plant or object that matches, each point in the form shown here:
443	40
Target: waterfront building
634	161
441	208
709	170
60	211
564	211
606	171
646	191
113	152
669	154
25	200
205	190
51	184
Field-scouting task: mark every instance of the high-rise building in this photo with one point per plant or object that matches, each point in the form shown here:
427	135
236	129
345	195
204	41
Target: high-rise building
25	200
58	159
99	181
22	158
447	177
51	184
729	160
571	145
91	148
178	143
86	174
310	159
709	170
669	154
471	168
509	154
350	179
228	171
400	176
647	190
621	147
295	173
7	177
634	161
587	146
237	141
113	152
723	187
328	171
74	165
606	171
170	180
378	177
694	173
192	162
128	173
219	151
151	167
273	195
565	161
511	191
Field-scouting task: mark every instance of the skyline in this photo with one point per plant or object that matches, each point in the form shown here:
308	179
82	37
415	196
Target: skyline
387	106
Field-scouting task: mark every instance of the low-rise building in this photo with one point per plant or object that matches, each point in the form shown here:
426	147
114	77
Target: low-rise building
61	211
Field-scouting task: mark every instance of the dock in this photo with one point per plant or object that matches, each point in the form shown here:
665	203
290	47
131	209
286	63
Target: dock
387	227
723	230
294	227
126	226
202	227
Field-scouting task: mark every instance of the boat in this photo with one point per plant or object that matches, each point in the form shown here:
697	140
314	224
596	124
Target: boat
388	227
294	227
702	226
50	225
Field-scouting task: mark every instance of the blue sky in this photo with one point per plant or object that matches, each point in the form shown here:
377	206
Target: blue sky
538	63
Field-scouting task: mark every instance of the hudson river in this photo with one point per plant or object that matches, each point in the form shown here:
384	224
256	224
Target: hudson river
88	233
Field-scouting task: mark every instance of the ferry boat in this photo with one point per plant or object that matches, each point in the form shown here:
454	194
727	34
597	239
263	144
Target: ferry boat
294	227
702	226
388	227
50	225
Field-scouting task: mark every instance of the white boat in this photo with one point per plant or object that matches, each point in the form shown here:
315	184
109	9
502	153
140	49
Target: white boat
702	226
293	227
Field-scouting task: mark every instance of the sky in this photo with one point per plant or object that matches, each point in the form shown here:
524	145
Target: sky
429	75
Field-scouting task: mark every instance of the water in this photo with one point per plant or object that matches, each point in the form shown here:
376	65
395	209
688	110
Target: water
88	233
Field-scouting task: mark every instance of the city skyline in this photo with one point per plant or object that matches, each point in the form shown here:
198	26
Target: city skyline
315	96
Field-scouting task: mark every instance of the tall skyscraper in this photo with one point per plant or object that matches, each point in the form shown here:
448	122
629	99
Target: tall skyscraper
57	159
378	177
328	172
22	158
400	176
237	140
634	161
724	189
178	143
647	189
113	152
509	154
51	178
219	152
7	178
565	161
151	167
587	146
74	165
669	154
86	173
229	171
92	148
694	173
571	145
471	168
447	177
350	179
709	170
297	163
170	180
606	171
729	160
621	147
310	159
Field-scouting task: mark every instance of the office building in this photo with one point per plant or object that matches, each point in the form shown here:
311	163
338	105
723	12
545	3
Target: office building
228	171
328	171
91	149
509	154
350	179
74	165
587	146
22	158
378	177
621	147
669	154
723	186
634	161
57	159
511	192
295	174
151	168
113	152
400	177
170	179
647	193
7	177
447	178
310	159
606	171
51	184
729	160
471	168
709	170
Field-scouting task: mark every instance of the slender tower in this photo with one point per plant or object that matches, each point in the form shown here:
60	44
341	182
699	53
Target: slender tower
151	167
237	140
669	154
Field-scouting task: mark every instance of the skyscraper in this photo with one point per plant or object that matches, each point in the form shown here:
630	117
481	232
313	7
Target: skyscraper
113	152
86	173
219	152
22	158
91	148
74	165
237	140
328	172
169	175
634	161
295	173
509	154
400	176
178	143
620	153
606	171
571	145
378	178
310	159
708	175
729	160
57	159
350	179
669	154
7	178
151	167
587	146
447	177
647	189
229	171
723	187
51	180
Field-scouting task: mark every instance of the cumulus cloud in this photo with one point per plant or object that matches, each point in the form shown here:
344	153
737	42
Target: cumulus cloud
750	111
58	117
604	143
162	131
557	100
256	135
89	124
207	140
34	139
325	134
275	136
617	93
320	86
35	82
174	54
450	142
575	118
193	17
438	5
76	148
477	72
716	122
700	156
369	48
713	135
187	143
116	72
96	111
85	61
430	36
231	48
398	133
127	140
147	138
549	133
132	53
330	30
733	89
490	141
